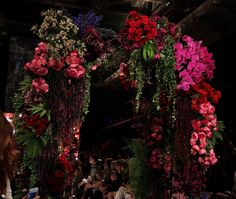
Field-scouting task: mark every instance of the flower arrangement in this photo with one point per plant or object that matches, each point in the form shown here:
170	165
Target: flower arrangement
169	72
151	49
52	102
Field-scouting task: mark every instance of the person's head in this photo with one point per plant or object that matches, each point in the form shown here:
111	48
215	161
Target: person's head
5	134
107	164
99	174
6	151
93	159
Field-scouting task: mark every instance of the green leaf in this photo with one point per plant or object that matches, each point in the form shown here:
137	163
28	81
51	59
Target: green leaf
149	50
41	110
25	84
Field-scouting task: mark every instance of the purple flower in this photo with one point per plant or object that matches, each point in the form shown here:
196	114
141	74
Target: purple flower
86	20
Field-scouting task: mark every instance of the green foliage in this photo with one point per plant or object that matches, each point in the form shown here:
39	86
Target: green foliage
137	73
139	169
40	109
165	77
25	84
32	144
86	102
149	50
18	98
217	135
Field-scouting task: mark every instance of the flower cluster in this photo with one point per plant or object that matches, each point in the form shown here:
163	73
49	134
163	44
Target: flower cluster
165	28
140	28
40	85
42	61
205	128
75	69
89	19
193	62
38	64
204	92
59	32
202	131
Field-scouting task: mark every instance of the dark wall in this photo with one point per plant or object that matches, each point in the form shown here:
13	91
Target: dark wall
4	52
221	175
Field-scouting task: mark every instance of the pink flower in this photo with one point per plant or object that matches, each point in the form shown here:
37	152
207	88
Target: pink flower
203	143
201	135
94	67
71	72
214	161
193	61
195	149
41	71
51	62
209	134
192	142
42	46
202	151
40	85
76	73
211	110
194	136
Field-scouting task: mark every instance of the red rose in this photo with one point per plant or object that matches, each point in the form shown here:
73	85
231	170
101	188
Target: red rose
154	31
147	27
131	30
137	38
150	36
132	23
130	37
133	13
152	23
139	31
139	23
145	20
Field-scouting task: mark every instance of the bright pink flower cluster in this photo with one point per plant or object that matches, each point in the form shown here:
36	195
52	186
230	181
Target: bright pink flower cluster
38	64
193	62
140	28
75	69
203	131
40	85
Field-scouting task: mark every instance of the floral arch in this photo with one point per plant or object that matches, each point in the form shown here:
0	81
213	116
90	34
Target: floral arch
170	75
